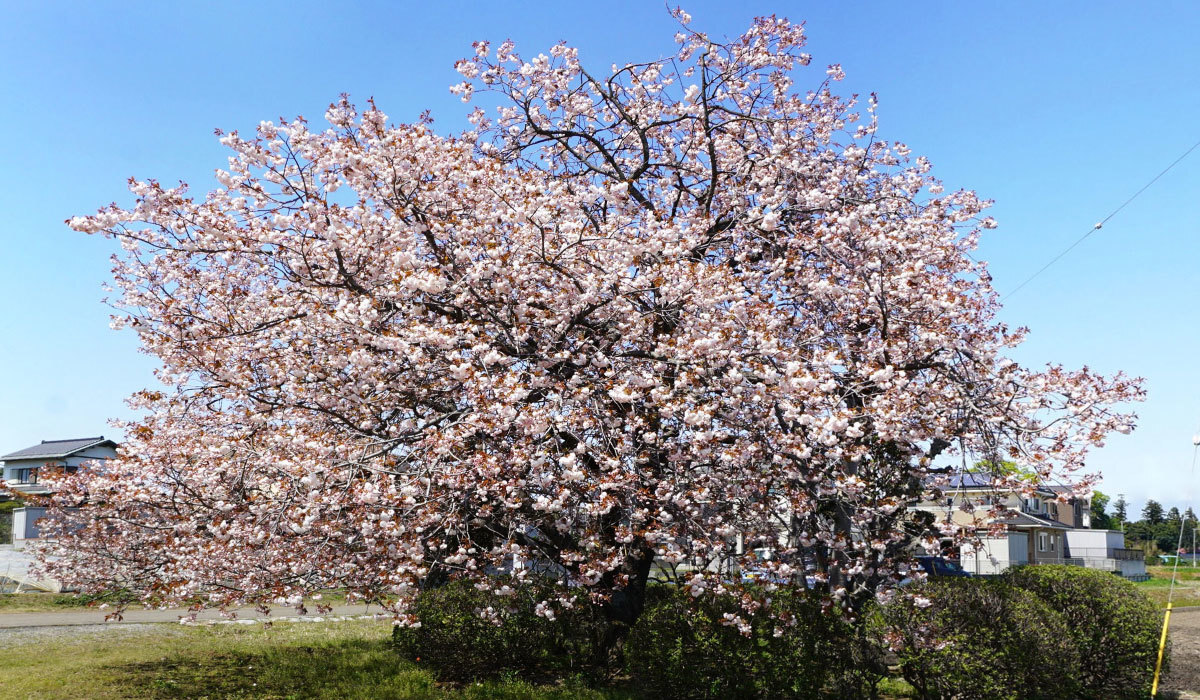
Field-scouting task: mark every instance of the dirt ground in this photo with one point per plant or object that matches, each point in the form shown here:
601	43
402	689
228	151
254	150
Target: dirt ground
1184	676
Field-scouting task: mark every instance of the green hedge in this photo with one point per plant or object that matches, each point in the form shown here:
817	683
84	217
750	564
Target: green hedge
1114	627
679	648
683	647
1039	633
459	642
972	639
6	519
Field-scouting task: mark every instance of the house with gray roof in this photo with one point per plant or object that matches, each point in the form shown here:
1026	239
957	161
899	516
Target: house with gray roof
23	470
1048	525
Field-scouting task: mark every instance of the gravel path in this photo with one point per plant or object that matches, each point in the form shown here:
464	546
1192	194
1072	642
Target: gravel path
24	636
1184	676
31	627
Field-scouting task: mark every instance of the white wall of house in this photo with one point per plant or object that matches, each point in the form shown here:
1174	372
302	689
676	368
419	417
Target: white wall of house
1096	549
994	554
1094	544
14	466
99	452
990	557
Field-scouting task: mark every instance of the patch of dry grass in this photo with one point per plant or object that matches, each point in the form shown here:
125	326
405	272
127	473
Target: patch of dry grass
1187	586
39	602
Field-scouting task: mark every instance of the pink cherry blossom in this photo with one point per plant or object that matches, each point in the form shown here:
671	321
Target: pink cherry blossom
633	323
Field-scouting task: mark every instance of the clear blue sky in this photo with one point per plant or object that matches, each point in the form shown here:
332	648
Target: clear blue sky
1058	111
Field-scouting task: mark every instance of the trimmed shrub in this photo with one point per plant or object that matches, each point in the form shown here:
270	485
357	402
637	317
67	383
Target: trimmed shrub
973	639
684	647
1115	628
469	634
862	664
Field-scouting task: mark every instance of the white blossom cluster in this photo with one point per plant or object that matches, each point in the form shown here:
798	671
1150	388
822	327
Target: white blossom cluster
633	323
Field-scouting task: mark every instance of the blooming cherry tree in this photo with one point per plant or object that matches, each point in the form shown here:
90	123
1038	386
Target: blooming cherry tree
633	323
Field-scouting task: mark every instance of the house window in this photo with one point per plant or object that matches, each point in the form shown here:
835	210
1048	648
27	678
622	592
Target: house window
1043	542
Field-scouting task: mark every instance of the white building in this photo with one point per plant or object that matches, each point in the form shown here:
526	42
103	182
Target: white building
1040	529
22	471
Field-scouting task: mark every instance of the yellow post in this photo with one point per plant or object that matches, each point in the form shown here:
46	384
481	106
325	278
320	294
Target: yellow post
1162	644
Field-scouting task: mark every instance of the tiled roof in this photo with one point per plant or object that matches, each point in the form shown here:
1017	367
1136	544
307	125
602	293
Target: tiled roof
981	480
57	449
969	480
1060	488
1024	520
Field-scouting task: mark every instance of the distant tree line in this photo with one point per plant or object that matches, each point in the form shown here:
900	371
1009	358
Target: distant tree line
1158	529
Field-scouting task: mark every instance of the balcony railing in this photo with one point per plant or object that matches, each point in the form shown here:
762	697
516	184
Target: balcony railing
26	485
1102	563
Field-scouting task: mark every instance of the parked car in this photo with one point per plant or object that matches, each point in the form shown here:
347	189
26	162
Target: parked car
940	566
762	576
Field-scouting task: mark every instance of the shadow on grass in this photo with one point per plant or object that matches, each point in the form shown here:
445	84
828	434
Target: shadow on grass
346	669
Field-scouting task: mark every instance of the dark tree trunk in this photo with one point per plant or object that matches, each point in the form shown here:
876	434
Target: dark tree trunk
626	605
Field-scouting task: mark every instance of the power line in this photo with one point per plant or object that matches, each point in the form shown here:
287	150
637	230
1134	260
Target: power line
1101	223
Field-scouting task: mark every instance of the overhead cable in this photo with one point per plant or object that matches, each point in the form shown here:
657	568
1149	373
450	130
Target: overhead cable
1099	225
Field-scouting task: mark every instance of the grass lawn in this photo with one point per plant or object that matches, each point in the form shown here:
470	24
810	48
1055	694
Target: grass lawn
39	602
297	660
1186	573
1187	585
342	660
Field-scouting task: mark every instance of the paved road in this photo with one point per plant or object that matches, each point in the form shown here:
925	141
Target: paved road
89	616
1184	676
